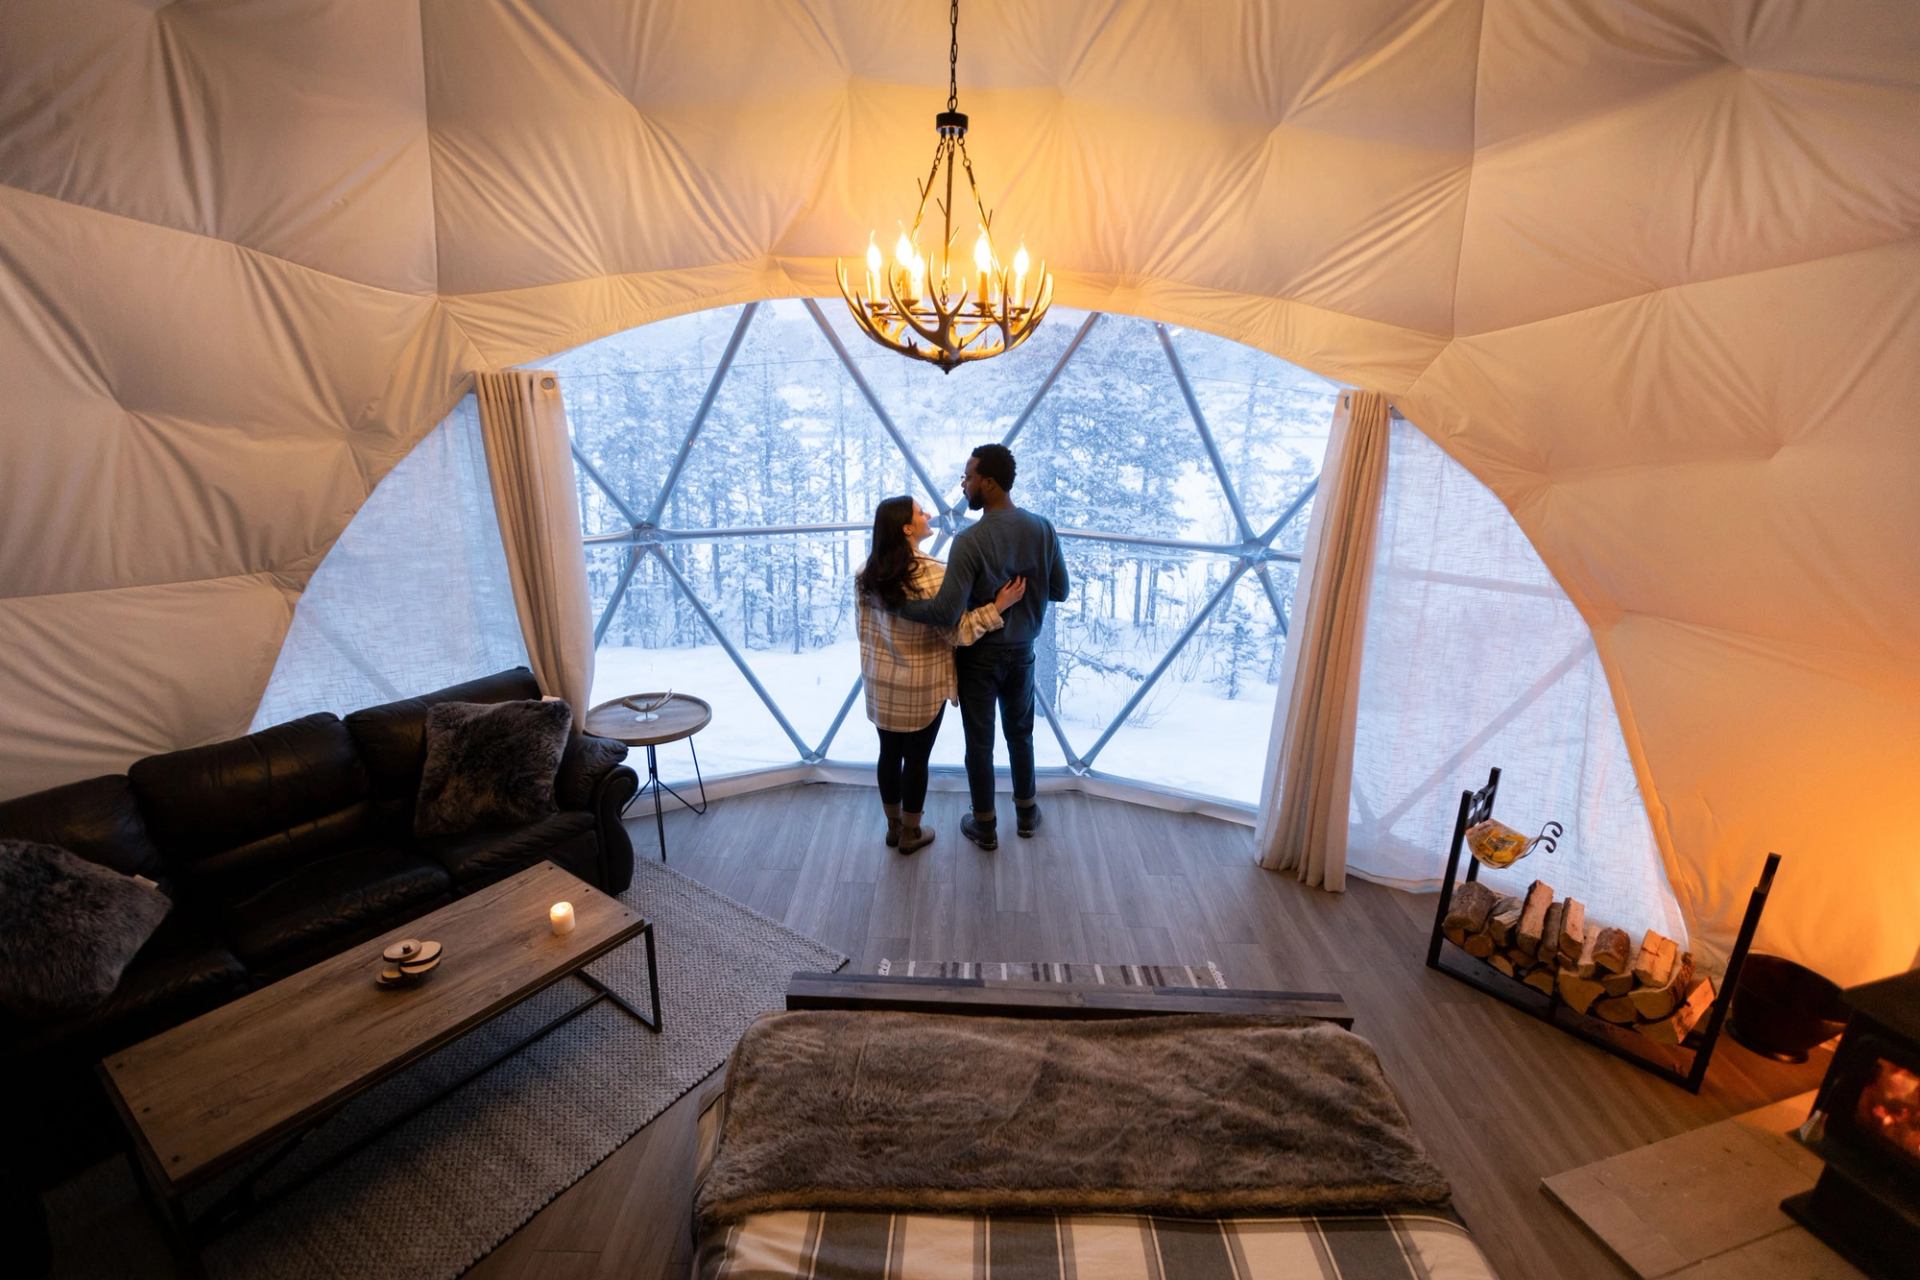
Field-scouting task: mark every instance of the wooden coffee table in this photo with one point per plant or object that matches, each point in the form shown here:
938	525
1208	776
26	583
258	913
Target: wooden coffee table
252	1078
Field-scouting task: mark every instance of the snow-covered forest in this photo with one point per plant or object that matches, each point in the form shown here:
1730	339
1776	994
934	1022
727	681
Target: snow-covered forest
791	441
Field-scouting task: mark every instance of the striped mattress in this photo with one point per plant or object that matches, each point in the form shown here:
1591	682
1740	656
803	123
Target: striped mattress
846	1245
853	1245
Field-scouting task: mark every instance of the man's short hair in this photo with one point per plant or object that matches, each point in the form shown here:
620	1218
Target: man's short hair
995	462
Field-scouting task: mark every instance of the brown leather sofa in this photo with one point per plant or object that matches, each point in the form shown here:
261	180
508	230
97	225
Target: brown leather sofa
278	849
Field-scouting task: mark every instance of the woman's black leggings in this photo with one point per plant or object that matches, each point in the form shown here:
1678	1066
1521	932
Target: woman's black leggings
903	764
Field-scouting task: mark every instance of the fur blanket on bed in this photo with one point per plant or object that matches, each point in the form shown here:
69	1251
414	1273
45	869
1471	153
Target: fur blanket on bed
1205	1114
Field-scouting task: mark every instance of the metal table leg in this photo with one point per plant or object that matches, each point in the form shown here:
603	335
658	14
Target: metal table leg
701	808
653	780
656	786
653	987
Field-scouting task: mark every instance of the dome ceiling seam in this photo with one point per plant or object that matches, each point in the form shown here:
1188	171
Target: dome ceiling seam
255	251
1584	473
1099	291
1466	197
1401	31
1422	203
1897	659
1906	237
85	360
1678	86
278	578
426	120
606	322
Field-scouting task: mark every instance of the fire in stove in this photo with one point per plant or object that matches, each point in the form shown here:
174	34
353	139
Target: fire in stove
1866	1126
1889	1108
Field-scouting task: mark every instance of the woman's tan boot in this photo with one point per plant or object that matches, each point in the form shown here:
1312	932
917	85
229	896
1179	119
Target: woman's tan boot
912	835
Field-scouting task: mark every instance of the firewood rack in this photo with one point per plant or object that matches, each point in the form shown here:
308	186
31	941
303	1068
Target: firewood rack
1685	1064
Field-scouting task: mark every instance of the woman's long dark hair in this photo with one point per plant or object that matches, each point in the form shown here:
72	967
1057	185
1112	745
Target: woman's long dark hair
890	558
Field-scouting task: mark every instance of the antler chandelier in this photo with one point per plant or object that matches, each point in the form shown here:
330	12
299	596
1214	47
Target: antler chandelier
934	308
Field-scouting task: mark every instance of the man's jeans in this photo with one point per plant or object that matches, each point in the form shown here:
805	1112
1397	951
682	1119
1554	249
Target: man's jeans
990	674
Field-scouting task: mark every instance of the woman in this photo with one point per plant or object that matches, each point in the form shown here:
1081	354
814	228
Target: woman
908	666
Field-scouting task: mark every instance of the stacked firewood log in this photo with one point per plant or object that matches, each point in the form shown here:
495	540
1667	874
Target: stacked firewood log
1553	947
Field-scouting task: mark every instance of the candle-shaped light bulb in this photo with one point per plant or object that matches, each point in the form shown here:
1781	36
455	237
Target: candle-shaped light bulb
560	915
983	267
919	275
1020	264
873	266
903	251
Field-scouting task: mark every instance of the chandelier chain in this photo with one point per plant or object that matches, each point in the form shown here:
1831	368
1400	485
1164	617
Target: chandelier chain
953	57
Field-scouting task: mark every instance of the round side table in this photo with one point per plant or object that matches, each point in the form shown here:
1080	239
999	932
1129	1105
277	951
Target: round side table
681	716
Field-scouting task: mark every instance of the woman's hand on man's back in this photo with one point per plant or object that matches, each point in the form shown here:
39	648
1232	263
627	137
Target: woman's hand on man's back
1010	594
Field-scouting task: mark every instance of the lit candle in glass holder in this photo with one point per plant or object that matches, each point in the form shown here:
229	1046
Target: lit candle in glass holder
561	917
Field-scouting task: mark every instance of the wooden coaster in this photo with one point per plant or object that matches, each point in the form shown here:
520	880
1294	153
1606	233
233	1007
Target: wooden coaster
405	949
391	977
429	950
419	969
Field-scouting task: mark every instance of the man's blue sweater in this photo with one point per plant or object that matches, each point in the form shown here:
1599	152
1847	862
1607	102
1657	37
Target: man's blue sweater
999	546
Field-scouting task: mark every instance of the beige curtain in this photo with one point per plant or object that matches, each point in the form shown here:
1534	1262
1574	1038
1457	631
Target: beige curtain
1304	794
530	466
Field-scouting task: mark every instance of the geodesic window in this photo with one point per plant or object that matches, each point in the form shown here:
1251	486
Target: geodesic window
730	462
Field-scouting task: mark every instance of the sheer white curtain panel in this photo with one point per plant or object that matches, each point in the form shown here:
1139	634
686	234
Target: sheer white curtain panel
413	597
1475	658
1303	795
523	421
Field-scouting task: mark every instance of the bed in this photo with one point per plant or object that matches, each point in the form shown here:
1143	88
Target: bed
890	1145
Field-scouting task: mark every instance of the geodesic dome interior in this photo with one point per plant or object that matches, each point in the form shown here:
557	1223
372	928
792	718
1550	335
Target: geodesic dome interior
1648	270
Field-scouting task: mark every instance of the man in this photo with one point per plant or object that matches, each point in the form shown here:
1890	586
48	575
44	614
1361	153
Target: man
1005	543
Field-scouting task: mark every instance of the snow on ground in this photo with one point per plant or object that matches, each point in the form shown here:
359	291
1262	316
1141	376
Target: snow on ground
1184	735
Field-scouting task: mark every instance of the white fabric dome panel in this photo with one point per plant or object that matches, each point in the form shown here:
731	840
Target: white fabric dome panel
292	128
1651	271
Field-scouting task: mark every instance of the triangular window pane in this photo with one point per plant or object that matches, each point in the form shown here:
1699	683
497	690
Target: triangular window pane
1270	420
657	641
790	440
1193	728
630	398
943	416
1112	447
1209	716
786	603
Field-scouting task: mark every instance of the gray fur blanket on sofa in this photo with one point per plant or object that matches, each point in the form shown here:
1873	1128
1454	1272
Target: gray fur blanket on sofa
1207	1114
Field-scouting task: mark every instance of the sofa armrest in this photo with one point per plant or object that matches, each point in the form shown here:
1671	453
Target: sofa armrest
587	761
611	793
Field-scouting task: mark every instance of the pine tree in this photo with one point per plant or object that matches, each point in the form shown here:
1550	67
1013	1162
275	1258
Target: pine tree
1241	650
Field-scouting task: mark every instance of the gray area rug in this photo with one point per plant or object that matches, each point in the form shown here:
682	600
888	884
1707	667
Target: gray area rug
433	1197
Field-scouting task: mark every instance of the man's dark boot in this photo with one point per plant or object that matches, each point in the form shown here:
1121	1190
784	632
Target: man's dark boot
1029	815
985	834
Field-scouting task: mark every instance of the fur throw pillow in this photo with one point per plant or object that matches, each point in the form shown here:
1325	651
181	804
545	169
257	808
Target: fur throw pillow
68	927
490	764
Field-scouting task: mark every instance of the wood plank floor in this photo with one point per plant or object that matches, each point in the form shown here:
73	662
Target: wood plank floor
1499	1099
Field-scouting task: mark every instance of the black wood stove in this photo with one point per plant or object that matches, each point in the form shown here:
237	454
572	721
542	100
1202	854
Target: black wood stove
1866	1126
